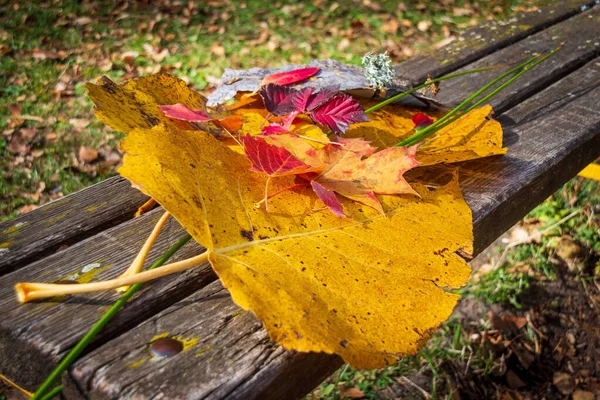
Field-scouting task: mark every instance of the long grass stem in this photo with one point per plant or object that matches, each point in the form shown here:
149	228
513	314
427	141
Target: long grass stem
514	73
428	83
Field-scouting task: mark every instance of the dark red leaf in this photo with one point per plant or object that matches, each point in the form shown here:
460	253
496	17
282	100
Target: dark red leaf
182	112
271	160
339	112
329	198
321	97
421	120
290	77
281	100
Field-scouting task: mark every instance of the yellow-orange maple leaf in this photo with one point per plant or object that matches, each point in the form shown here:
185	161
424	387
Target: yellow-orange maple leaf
470	137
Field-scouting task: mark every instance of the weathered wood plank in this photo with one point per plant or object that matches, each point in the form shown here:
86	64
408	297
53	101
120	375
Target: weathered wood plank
551	137
65	221
230	349
485	39
582	45
34	336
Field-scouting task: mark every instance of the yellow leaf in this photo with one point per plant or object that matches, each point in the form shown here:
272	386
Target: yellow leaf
135	103
470	137
370	288
252	123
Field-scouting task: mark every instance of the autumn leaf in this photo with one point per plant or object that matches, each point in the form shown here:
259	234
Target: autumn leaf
182	112
472	136
271	160
282	126
382	173
281	100
368	287
329	198
421	120
290	77
327	107
339	112
136	103
321	97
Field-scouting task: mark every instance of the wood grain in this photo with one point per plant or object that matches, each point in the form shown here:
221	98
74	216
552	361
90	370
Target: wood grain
65	221
230	355
34	336
552	136
582	45
485	39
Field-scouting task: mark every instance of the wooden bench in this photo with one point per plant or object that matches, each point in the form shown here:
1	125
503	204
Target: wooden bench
552	128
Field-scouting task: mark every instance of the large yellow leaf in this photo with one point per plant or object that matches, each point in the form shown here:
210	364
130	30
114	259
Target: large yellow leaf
470	137
371	288
135	103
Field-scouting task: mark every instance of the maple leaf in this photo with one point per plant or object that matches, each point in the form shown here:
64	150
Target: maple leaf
182	112
472	136
136	103
339	112
360	179
317	281
290	77
271	160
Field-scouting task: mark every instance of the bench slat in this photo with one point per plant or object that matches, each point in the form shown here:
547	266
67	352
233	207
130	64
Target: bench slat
35	336
485	39
552	136
581	46
65	221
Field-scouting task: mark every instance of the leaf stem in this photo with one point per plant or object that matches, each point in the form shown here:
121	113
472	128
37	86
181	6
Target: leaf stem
138	262
27	291
87	339
428	83
445	120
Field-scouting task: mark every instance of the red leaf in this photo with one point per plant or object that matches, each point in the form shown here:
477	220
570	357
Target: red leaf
281	100
282	126
421	120
290	77
339	112
329	198
182	112
271	160
321	97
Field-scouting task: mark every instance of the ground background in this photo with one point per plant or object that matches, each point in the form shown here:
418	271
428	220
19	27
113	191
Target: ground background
541	337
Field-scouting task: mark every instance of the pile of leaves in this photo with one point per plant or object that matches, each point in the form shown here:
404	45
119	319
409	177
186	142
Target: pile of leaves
357	240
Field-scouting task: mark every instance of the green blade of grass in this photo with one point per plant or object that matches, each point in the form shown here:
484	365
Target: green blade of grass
53	393
424	85
516	72
423	134
108	315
